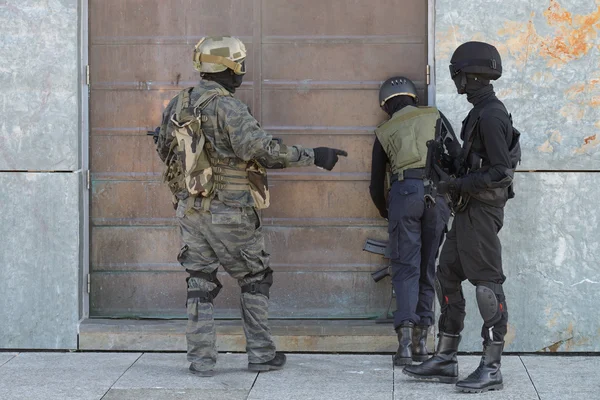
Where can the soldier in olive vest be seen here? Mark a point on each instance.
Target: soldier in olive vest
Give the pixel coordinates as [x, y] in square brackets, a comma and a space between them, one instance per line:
[417, 216]
[216, 154]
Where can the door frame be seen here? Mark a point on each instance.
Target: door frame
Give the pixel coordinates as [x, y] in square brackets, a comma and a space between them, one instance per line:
[84, 157]
[431, 51]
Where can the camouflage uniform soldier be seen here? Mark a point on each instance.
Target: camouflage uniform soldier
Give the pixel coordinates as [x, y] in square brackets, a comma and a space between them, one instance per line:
[216, 154]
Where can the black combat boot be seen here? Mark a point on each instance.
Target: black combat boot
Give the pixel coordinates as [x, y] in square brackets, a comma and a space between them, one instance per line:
[487, 376]
[404, 354]
[419, 343]
[443, 366]
[276, 363]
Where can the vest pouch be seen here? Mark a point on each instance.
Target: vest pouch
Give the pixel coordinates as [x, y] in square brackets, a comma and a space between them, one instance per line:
[195, 163]
[174, 178]
[259, 186]
[406, 149]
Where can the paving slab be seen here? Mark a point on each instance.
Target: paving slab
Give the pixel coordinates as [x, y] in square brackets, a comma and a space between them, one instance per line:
[170, 371]
[6, 357]
[65, 376]
[517, 384]
[564, 377]
[175, 394]
[314, 376]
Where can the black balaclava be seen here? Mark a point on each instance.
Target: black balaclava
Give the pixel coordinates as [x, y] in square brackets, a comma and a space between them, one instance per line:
[397, 103]
[228, 79]
[475, 87]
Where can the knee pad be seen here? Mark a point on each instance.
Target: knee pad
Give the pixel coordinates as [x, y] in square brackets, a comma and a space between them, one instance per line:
[262, 286]
[490, 300]
[447, 296]
[204, 296]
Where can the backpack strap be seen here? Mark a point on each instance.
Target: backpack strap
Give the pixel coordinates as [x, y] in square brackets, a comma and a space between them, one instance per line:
[492, 104]
[183, 100]
[208, 96]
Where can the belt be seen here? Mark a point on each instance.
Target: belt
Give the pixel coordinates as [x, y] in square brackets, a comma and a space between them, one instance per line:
[413, 173]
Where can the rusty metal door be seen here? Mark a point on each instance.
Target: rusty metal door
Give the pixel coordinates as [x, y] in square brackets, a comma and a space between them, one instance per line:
[314, 71]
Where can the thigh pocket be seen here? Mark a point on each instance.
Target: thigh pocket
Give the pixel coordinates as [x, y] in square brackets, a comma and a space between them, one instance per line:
[393, 239]
[197, 258]
[257, 260]
[469, 240]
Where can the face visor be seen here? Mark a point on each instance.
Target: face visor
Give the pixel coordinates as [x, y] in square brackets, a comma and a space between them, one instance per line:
[483, 64]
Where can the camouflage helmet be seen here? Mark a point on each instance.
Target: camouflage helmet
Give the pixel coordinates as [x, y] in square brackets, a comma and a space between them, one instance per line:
[217, 53]
[397, 86]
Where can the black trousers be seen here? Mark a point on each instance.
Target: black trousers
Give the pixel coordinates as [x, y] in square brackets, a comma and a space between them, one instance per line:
[415, 232]
[473, 252]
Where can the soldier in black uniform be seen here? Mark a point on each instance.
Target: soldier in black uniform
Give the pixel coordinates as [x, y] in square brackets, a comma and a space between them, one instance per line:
[472, 250]
[417, 217]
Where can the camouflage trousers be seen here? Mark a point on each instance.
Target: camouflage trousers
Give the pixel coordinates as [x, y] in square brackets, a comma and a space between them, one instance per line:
[232, 238]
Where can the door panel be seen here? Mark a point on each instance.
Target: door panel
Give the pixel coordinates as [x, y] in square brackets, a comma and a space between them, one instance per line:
[314, 70]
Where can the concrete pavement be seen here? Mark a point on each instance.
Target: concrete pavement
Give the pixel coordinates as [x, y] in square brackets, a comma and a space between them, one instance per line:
[149, 376]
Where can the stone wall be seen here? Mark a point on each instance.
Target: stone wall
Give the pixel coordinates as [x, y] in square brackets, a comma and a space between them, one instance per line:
[39, 174]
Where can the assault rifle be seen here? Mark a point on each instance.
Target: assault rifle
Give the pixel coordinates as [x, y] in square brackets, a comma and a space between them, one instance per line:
[383, 249]
[154, 134]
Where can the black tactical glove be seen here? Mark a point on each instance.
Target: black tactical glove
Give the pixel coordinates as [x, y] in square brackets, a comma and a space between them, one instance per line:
[447, 183]
[454, 148]
[326, 157]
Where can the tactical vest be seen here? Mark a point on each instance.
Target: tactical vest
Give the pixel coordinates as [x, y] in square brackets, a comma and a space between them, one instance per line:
[193, 165]
[498, 193]
[404, 137]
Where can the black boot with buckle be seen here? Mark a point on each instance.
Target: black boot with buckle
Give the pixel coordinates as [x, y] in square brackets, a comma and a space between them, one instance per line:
[443, 366]
[487, 376]
[419, 343]
[404, 354]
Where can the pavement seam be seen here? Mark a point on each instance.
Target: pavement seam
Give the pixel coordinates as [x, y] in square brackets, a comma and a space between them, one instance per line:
[251, 387]
[393, 379]
[120, 376]
[530, 378]
[6, 362]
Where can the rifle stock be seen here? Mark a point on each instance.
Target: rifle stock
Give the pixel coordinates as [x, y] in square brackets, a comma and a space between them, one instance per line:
[380, 274]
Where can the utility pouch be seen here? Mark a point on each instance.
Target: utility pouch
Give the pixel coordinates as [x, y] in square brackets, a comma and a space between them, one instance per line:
[408, 152]
[259, 185]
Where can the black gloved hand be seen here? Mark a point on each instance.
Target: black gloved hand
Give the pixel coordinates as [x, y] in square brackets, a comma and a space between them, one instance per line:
[326, 157]
[446, 183]
[454, 148]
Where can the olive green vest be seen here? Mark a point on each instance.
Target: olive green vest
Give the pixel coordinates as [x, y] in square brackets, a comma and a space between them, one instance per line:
[404, 137]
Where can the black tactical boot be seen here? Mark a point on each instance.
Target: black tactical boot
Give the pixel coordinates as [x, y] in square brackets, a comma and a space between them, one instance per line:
[404, 354]
[277, 363]
[487, 376]
[443, 366]
[201, 372]
[419, 343]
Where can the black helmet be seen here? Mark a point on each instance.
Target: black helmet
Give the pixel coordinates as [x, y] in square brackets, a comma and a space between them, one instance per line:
[397, 86]
[476, 58]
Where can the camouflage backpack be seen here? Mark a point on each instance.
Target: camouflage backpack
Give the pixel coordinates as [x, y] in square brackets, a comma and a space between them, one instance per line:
[188, 169]
[192, 167]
